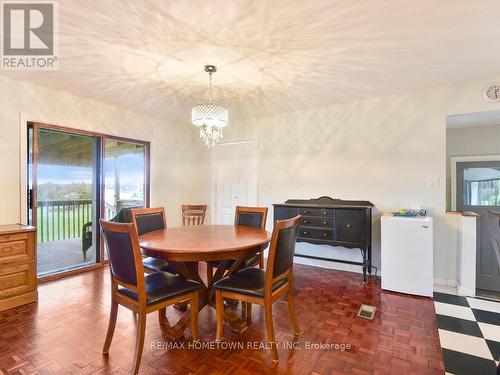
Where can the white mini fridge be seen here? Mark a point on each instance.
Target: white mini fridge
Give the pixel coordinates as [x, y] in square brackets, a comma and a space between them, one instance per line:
[407, 254]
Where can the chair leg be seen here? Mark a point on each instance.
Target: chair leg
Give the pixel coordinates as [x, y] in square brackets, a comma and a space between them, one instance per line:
[293, 314]
[111, 326]
[139, 342]
[162, 314]
[261, 260]
[219, 307]
[248, 310]
[268, 312]
[194, 316]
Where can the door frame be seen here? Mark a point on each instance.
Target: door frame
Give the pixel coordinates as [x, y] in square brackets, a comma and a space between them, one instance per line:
[214, 195]
[25, 124]
[453, 170]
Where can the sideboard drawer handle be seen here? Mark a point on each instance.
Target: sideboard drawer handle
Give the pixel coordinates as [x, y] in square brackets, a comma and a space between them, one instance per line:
[324, 222]
[305, 211]
[348, 225]
[305, 233]
[305, 221]
[324, 234]
[325, 213]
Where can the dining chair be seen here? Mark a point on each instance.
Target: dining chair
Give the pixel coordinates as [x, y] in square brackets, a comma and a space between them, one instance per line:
[254, 285]
[251, 217]
[193, 214]
[148, 220]
[139, 293]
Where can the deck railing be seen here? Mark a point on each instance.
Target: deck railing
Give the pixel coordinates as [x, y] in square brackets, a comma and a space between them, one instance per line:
[62, 219]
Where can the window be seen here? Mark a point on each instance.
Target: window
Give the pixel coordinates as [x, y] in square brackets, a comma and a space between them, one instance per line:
[478, 185]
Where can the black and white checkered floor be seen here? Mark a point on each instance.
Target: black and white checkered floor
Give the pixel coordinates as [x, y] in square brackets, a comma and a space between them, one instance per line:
[469, 330]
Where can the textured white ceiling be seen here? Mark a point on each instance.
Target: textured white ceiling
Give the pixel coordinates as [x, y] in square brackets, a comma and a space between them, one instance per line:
[273, 56]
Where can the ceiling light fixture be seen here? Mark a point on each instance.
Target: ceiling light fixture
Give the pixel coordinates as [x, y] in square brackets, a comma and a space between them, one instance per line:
[210, 117]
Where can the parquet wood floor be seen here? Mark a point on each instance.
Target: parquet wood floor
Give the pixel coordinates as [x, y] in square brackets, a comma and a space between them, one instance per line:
[64, 333]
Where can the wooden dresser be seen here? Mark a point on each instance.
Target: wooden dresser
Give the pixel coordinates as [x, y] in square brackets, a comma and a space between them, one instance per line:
[332, 222]
[17, 266]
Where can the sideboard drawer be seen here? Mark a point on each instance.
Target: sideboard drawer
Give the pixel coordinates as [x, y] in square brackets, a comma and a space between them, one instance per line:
[325, 212]
[14, 251]
[350, 225]
[17, 280]
[315, 221]
[282, 213]
[17, 265]
[315, 233]
[13, 237]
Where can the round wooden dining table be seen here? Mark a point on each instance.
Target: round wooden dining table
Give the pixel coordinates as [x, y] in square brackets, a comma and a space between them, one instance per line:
[185, 247]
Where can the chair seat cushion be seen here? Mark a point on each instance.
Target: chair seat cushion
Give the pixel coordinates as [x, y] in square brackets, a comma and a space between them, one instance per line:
[248, 281]
[156, 265]
[161, 286]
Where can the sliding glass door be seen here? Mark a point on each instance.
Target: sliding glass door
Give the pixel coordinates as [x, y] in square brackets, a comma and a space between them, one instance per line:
[64, 189]
[74, 179]
[124, 177]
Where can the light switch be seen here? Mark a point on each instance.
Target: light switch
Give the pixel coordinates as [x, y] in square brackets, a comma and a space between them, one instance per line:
[433, 183]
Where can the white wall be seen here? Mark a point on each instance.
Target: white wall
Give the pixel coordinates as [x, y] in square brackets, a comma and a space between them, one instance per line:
[381, 149]
[175, 149]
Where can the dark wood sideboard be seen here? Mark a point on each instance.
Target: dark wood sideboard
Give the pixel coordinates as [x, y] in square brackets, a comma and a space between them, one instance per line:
[332, 222]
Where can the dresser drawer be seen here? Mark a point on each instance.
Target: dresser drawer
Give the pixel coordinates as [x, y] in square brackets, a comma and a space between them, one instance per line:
[315, 221]
[16, 280]
[315, 233]
[14, 251]
[282, 213]
[350, 226]
[325, 212]
[13, 237]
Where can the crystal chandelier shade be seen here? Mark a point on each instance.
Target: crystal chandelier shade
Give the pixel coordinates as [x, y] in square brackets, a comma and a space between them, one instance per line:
[210, 114]
[210, 117]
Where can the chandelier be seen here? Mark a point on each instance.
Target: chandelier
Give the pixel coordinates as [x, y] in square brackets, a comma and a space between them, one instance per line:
[210, 117]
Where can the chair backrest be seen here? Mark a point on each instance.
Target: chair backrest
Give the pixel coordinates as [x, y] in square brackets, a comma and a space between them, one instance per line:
[281, 250]
[251, 216]
[149, 219]
[124, 254]
[492, 220]
[193, 214]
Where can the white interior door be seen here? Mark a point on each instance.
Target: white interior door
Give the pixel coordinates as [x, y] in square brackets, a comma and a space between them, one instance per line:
[236, 179]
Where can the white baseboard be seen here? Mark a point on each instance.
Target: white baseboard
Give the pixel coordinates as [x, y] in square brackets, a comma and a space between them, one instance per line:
[462, 291]
[443, 282]
[328, 264]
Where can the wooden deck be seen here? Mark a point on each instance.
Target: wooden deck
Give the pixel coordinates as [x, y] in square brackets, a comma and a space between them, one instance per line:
[56, 256]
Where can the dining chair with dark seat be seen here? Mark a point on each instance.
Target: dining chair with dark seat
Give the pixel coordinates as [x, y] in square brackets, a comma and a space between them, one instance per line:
[193, 214]
[139, 293]
[254, 285]
[250, 217]
[148, 220]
